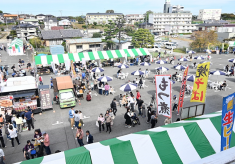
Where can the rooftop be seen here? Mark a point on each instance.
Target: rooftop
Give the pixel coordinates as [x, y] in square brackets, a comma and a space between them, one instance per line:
[104, 14]
[24, 25]
[61, 34]
[10, 15]
[30, 20]
[209, 24]
[48, 19]
[57, 27]
[84, 40]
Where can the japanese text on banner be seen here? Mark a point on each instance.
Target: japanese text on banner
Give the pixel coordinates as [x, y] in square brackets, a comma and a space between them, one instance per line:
[163, 95]
[228, 112]
[182, 90]
[200, 83]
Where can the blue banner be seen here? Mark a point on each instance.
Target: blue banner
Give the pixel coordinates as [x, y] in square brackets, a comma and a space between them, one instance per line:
[228, 112]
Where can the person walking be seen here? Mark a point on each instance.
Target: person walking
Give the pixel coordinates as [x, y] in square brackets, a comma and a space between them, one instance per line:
[79, 136]
[76, 119]
[1, 138]
[149, 110]
[153, 119]
[108, 120]
[29, 150]
[113, 105]
[2, 157]
[13, 134]
[106, 87]
[137, 95]
[140, 103]
[127, 116]
[40, 80]
[28, 117]
[101, 122]
[89, 137]
[46, 141]
[71, 116]
[19, 123]
[140, 83]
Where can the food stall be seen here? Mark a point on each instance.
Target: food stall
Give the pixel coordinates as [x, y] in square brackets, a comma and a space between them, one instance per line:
[23, 91]
[6, 104]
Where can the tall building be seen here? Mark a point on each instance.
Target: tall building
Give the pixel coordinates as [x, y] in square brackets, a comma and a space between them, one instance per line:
[102, 18]
[206, 14]
[167, 5]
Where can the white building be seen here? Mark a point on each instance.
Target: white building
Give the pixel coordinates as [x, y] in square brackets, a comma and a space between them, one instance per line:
[50, 22]
[30, 21]
[102, 18]
[165, 23]
[65, 23]
[206, 14]
[25, 31]
[132, 18]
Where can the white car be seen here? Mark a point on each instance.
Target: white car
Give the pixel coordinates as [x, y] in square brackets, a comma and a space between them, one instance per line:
[170, 45]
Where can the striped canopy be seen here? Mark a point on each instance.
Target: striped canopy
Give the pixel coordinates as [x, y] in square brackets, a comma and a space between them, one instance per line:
[180, 142]
[199, 58]
[137, 73]
[183, 59]
[128, 87]
[217, 73]
[191, 78]
[145, 64]
[97, 69]
[123, 66]
[161, 62]
[180, 67]
[231, 60]
[95, 55]
[105, 79]
[17, 42]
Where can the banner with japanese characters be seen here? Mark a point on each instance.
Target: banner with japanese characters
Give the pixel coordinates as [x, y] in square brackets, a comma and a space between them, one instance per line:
[200, 83]
[182, 90]
[163, 95]
[228, 110]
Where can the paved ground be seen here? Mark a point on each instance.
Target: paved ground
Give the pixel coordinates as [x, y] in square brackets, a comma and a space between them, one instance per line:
[63, 138]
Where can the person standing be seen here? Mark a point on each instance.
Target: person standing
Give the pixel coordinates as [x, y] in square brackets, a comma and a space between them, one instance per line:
[81, 117]
[153, 119]
[149, 110]
[106, 87]
[2, 157]
[132, 102]
[28, 117]
[46, 141]
[101, 122]
[13, 134]
[76, 119]
[89, 137]
[127, 116]
[40, 80]
[140, 103]
[118, 72]
[114, 106]
[174, 101]
[108, 120]
[137, 95]
[19, 123]
[79, 136]
[71, 116]
[1, 138]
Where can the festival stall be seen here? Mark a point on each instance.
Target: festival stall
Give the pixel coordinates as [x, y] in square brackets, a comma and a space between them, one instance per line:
[16, 47]
[22, 92]
[180, 142]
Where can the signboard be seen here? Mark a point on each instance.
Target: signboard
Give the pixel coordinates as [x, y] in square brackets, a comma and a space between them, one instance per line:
[200, 83]
[182, 90]
[6, 101]
[228, 110]
[73, 72]
[46, 102]
[163, 95]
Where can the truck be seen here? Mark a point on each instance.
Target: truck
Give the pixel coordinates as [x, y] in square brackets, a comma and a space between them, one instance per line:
[64, 91]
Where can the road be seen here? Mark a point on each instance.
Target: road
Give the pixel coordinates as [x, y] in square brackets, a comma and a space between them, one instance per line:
[63, 138]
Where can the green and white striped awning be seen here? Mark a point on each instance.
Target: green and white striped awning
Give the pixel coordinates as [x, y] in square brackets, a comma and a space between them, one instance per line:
[180, 142]
[95, 55]
[16, 42]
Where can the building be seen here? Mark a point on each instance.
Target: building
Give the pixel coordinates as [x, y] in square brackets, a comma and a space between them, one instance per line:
[27, 16]
[132, 18]
[41, 17]
[102, 18]
[226, 32]
[30, 21]
[168, 8]
[167, 23]
[148, 26]
[56, 37]
[10, 16]
[49, 22]
[57, 28]
[208, 26]
[64, 23]
[89, 44]
[206, 14]
[63, 17]
[25, 31]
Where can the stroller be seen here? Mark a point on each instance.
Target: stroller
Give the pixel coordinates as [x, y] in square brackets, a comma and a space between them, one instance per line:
[134, 119]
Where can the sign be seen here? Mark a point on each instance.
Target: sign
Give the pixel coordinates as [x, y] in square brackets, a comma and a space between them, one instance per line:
[6, 101]
[228, 111]
[163, 95]
[182, 90]
[73, 72]
[200, 83]
[46, 102]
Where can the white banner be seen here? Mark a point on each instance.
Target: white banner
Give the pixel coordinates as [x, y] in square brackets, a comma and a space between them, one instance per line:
[163, 95]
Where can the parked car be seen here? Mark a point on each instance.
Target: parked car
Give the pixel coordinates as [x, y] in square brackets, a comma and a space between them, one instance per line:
[170, 45]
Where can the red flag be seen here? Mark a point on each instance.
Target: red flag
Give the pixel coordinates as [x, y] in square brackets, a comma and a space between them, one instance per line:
[182, 90]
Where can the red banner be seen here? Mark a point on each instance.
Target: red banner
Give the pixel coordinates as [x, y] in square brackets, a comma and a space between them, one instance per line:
[182, 90]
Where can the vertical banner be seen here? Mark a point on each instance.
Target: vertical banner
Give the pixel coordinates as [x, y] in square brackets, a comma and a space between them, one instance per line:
[182, 90]
[228, 110]
[200, 83]
[72, 70]
[163, 95]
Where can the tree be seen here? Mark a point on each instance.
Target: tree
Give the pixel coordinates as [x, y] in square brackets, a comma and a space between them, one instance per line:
[96, 35]
[94, 23]
[130, 31]
[13, 33]
[109, 34]
[228, 16]
[119, 28]
[80, 20]
[35, 42]
[1, 11]
[142, 38]
[109, 11]
[202, 39]
[146, 18]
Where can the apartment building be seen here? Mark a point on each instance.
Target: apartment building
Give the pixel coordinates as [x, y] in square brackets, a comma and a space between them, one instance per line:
[206, 14]
[167, 23]
[102, 18]
[132, 18]
[25, 31]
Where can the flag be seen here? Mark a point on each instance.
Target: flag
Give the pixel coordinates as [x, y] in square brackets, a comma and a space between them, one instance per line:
[182, 90]
[228, 110]
[163, 95]
[200, 83]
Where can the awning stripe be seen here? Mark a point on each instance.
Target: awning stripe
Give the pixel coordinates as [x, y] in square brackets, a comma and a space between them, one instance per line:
[86, 56]
[139, 52]
[57, 158]
[71, 57]
[183, 145]
[146, 51]
[96, 55]
[60, 58]
[135, 52]
[91, 56]
[77, 155]
[142, 51]
[128, 54]
[100, 53]
[109, 53]
[55, 59]
[66, 57]
[105, 55]
[114, 54]
[38, 60]
[81, 56]
[44, 60]
[76, 57]
[131, 53]
[123, 53]
[49, 59]
[119, 54]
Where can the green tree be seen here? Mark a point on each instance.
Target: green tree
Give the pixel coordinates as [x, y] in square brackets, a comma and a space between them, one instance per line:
[80, 20]
[228, 16]
[119, 27]
[13, 33]
[1, 11]
[142, 38]
[94, 23]
[64, 45]
[146, 18]
[35, 42]
[109, 34]
[109, 11]
[96, 35]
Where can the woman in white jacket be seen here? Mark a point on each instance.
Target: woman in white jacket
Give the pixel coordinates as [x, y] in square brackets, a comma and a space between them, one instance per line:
[13, 134]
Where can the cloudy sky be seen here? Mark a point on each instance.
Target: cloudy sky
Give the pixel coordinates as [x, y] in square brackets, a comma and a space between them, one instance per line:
[81, 7]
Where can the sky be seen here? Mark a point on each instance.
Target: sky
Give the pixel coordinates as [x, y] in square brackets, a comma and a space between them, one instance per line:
[81, 7]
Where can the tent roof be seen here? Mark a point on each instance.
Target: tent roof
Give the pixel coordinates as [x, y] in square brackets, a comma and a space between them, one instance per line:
[17, 41]
[180, 142]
